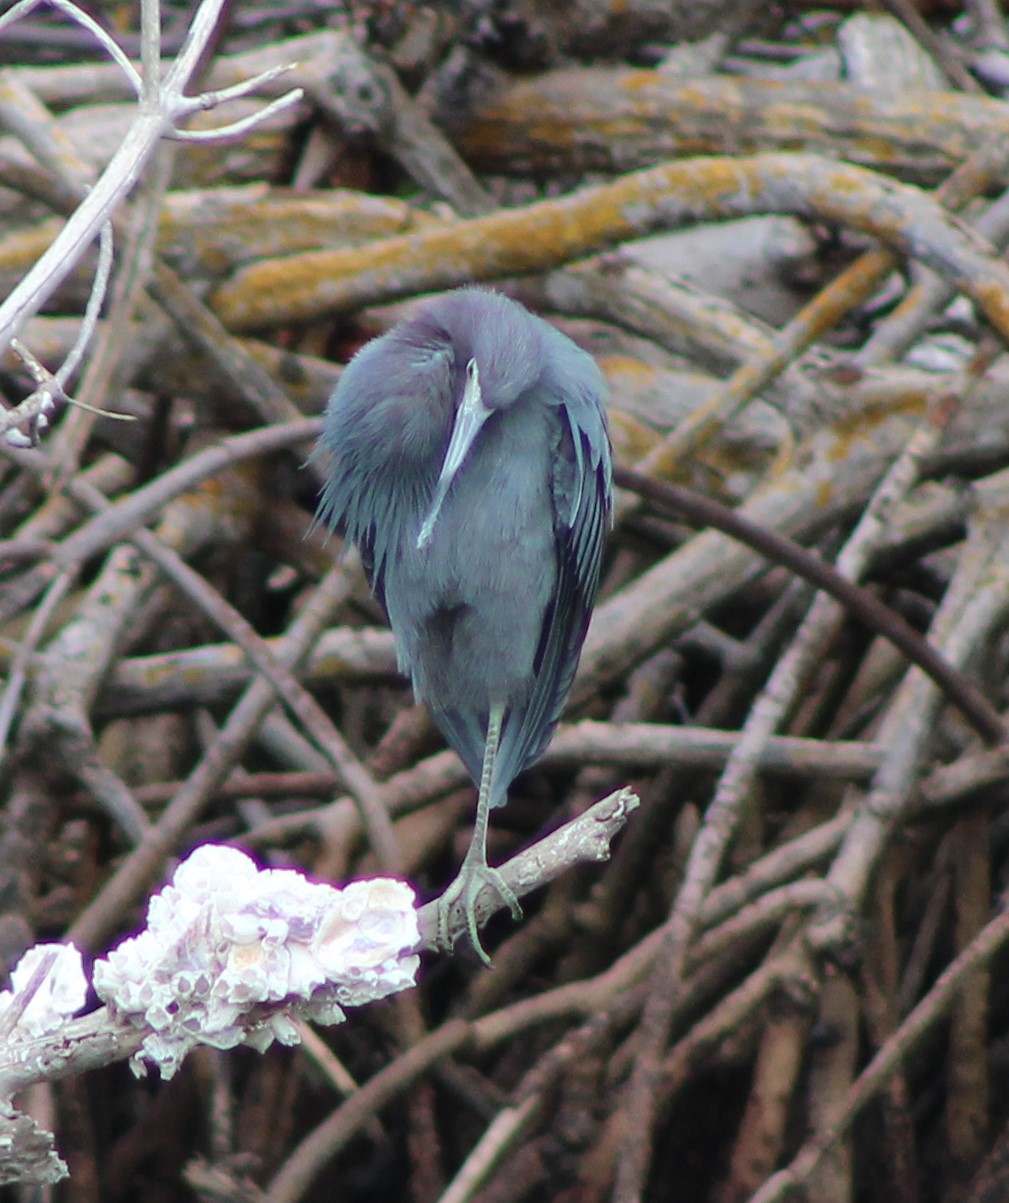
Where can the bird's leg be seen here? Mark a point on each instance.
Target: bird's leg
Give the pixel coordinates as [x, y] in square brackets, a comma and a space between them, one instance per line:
[475, 873]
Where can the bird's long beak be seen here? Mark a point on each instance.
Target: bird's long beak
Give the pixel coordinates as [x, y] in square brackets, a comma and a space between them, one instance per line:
[470, 416]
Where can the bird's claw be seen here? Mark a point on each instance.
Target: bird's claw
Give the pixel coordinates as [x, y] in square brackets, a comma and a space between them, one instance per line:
[467, 888]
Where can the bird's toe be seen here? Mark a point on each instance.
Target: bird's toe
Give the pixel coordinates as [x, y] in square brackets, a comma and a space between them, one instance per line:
[465, 890]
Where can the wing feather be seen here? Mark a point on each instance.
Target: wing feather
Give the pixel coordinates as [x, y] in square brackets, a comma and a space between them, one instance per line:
[581, 491]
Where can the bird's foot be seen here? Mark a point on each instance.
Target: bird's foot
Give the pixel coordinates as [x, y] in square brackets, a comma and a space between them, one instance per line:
[473, 876]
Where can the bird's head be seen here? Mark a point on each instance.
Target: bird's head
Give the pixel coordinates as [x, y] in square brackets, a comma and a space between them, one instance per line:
[497, 351]
[504, 340]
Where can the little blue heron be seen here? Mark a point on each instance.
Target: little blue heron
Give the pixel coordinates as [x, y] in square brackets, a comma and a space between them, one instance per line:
[468, 459]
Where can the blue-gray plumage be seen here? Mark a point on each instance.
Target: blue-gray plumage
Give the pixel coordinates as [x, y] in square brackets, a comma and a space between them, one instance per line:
[469, 461]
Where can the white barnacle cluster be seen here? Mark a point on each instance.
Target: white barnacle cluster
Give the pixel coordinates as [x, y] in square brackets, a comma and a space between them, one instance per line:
[48, 986]
[234, 955]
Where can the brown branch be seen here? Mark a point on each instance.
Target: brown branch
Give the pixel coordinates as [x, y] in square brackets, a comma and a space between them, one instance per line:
[877, 1073]
[578, 119]
[548, 233]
